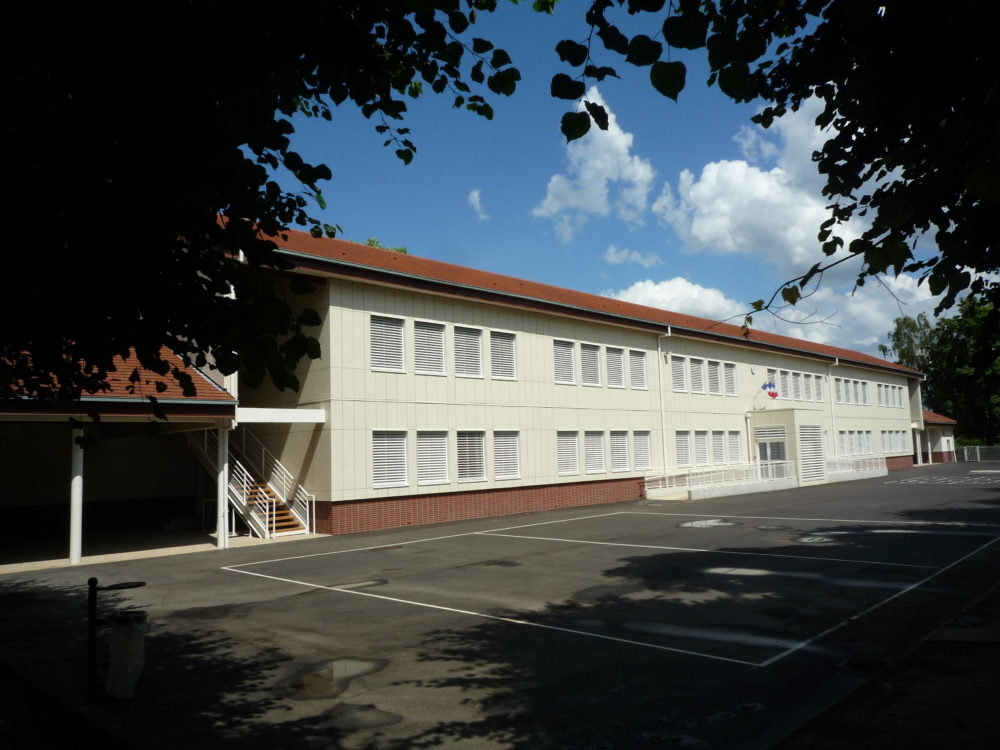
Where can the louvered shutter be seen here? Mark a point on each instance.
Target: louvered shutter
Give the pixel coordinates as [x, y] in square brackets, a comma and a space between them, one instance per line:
[718, 447]
[619, 451]
[594, 452]
[428, 348]
[701, 447]
[590, 364]
[682, 440]
[471, 459]
[677, 372]
[641, 451]
[387, 343]
[730, 372]
[735, 447]
[468, 352]
[503, 360]
[616, 368]
[714, 378]
[506, 455]
[637, 369]
[562, 354]
[432, 457]
[812, 464]
[567, 461]
[697, 369]
[388, 459]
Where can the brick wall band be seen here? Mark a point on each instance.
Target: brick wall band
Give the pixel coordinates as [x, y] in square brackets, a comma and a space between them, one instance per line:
[898, 462]
[352, 516]
[943, 457]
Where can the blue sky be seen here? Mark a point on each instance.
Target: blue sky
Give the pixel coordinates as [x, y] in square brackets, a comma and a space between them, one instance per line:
[683, 205]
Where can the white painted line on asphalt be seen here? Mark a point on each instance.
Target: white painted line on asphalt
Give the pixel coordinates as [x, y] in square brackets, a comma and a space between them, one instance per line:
[712, 551]
[388, 545]
[862, 613]
[511, 620]
[823, 520]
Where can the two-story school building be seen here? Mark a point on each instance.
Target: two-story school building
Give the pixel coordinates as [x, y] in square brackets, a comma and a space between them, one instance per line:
[455, 393]
[446, 393]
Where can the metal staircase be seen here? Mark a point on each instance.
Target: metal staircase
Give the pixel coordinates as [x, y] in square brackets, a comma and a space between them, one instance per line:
[261, 490]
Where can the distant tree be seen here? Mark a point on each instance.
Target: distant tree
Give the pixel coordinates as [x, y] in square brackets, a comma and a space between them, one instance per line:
[372, 242]
[963, 370]
[909, 341]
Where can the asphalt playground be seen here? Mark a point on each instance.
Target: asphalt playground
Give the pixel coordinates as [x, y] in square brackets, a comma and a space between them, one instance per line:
[723, 623]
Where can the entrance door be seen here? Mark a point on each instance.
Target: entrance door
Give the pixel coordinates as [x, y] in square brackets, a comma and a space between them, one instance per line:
[771, 452]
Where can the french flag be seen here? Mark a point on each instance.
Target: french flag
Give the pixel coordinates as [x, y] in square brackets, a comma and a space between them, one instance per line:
[771, 388]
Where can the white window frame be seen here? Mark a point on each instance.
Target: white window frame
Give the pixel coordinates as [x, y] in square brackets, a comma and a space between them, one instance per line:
[734, 447]
[618, 444]
[678, 373]
[387, 333]
[696, 374]
[506, 454]
[590, 365]
[593, 452]
[637, 369]
[563, 354]
[718, 446]
[432, 457]
[702, 456]
[714, 368]
[615, 362]
[389, 454]
[682, 448]
[729, 378]
[428, 347]
[465, 449]
[567, 453]
[642, 449]
[503, 354]
[468, 352]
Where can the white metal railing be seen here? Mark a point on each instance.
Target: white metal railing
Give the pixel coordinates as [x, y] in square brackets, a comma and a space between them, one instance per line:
[981, 453]
[281, 481]
[851, 464]
[761, 471]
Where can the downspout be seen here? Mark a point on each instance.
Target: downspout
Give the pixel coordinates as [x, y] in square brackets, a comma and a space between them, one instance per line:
[833, 406]
[663, 413]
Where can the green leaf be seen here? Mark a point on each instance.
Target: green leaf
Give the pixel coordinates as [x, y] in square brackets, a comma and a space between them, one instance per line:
[564, 87]
[791, 294]
[405, 154]
[504, 82]
[643, 51]
[477, 72]
[457, 21]
[575, 125]
[686, 30]
[668, 78]
[572, 52]
[598, 114]
[736, 82]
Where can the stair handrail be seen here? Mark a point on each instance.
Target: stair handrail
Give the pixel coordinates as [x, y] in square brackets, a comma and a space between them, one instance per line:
[270, 469]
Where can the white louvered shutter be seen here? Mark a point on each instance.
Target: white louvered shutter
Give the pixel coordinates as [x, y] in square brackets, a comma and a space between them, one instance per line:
[388, 459]
[567, 460]
[730, 376]
[432, 457]
[696, 367]
[506, 455]
[468, 352]
[714, 378]
[594, 452]
[562, 355]
[471, 458]
[619, 451]
[503, 356]
[637, 369]
[735, 447]
[701, 447]
[428, 348]
[641, 450]
[677, 373]
[682, 440]
[590, 364]
[616, 367]
[387, 343]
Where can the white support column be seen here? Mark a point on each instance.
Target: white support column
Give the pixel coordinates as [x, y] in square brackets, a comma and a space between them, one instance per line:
[930, 448]
[222, 490]
[76, 500]
[920, 446]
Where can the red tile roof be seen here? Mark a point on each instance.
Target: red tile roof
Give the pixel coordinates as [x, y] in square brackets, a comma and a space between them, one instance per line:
[124, 389]
[349, 258]
[932, 418]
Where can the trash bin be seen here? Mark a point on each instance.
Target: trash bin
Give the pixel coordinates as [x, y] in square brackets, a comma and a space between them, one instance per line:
[127, 643]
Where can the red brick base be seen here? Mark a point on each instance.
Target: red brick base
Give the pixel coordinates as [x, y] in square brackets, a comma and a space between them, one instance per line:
[898, 462]
[350, 516]
[943, 457]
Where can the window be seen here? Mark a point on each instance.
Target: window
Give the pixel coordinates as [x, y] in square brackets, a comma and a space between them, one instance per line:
[594, 452]
[735, 447]
[797, 386]
[506, 455]
[819, 388]
[387, 343]
[784, 391]
[619, 451]
[562, 352]
[641, 452]
[881, 394]
[718, 447]
[503, 359]
[729, 371]
[637, 369]
[677, 372]
[864, 392]
[468, 352]
[428, 348]
[432, 457]
[471, 458]
[567, 461]
[714, 378]
[696, 367]
[838, 391]
[701, 447]
[683, 443]
[807, 387]
[856, 387]
[590, 364]
[388, 459]
[616, 367]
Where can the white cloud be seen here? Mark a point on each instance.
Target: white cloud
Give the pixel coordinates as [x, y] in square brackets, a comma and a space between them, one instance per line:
[614, 256]
[682, 296]
[602, 175]
[475, 200]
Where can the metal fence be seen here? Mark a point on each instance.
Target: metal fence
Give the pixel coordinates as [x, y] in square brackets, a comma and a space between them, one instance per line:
[851, 464]
[979, 453]
[762, 471]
